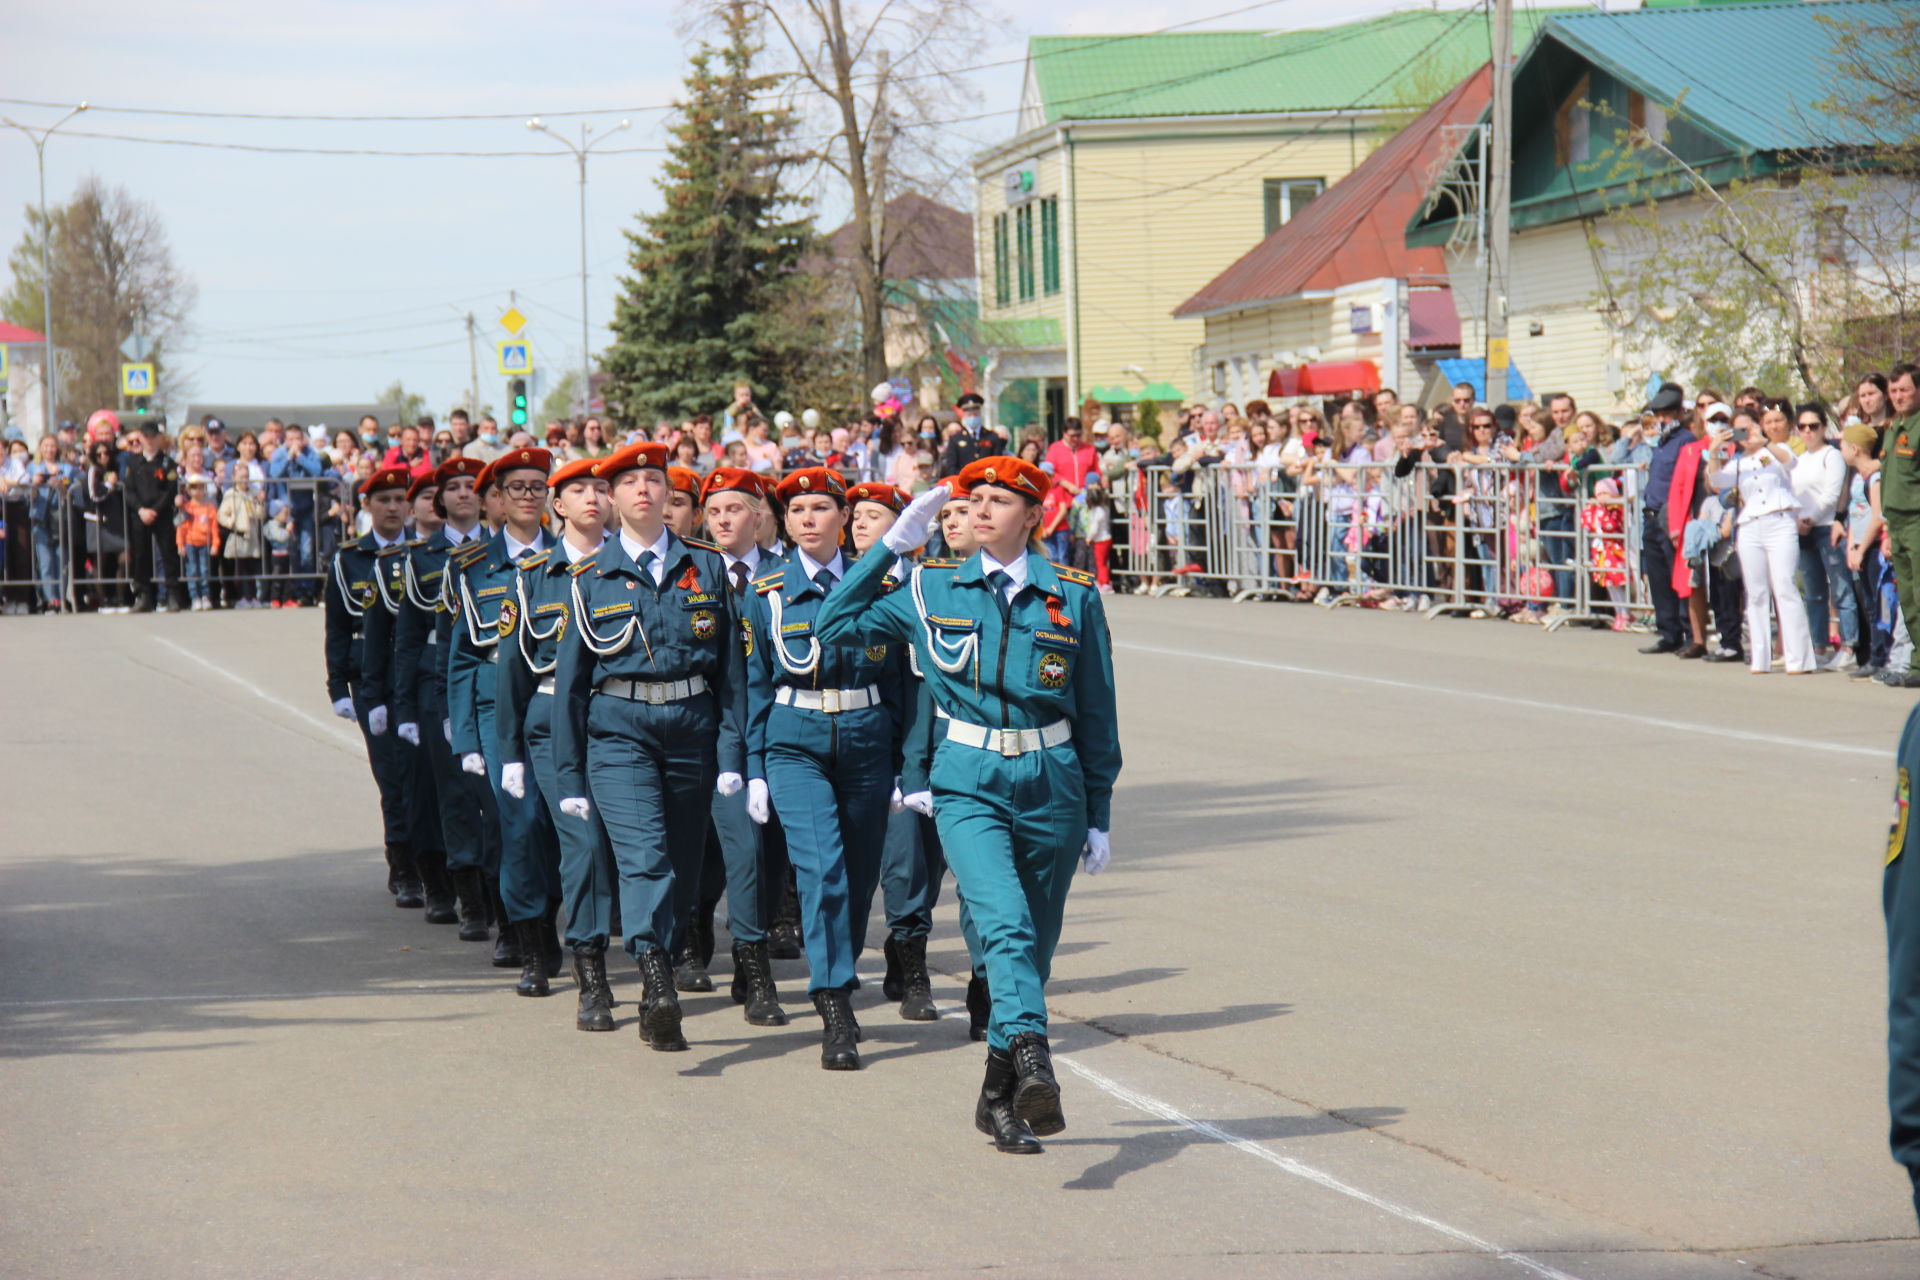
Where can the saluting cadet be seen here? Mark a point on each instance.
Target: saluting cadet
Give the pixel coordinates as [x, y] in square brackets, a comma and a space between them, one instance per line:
[469, 826]
[379, 675]
[648, 715]
[532, 624]
[822, 746]
[352, 587]
[734, 508]
[484, 573]
[683, 502]
[1900, 900]
[1015, 651]
[910, 862]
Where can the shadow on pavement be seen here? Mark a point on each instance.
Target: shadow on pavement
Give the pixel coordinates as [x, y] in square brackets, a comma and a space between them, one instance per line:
[1152, 1024]
[1166, 1140]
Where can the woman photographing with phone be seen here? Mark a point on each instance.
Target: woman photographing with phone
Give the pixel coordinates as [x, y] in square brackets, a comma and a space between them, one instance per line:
[1751, 469]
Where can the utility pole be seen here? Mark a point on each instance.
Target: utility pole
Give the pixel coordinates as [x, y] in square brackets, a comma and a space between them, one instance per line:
[1499, 163]
[587, 144]
[50, 374]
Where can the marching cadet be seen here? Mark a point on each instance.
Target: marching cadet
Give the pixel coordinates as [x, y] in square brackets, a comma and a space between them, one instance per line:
[532, 624]
[379, 673]
[352, 588]
[484, 573]
[683, 503]
[734, 509]
[1015, 651]
[469, 827]
[910, 862]
[647, 717]
[1900, 901]
[822, 747]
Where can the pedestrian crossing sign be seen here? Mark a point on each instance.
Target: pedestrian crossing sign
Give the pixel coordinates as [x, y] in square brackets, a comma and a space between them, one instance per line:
[136, 379]
[516, 357]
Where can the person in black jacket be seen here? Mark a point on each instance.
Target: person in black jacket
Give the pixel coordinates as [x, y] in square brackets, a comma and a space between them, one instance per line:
[975, 439]
[151, 481]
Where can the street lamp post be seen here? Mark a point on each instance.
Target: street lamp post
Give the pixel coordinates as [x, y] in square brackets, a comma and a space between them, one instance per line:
[580, 155]
[49, 376]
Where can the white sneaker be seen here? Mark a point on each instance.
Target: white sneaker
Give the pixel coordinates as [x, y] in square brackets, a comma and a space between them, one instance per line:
[1842, 659]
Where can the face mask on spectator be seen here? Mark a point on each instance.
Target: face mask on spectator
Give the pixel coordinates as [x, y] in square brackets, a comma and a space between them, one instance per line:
[490, 436]
[971, 422]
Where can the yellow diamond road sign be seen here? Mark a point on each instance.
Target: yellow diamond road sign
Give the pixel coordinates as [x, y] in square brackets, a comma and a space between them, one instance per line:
[512, 321]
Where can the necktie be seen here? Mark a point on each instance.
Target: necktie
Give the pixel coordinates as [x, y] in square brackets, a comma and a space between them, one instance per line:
[646, 565]
[999, 580]
[824, 580]
[739, 572]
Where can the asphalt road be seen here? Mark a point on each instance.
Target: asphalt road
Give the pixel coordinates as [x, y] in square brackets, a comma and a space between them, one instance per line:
[1430, 949]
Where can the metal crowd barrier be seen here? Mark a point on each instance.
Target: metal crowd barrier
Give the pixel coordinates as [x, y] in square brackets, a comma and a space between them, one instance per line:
[1490, 540]
[85, 545]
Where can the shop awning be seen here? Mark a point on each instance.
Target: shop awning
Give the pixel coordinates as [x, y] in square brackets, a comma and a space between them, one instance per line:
[1431, 319]
[1161, 391]
[1112, 395]
[1324, 378]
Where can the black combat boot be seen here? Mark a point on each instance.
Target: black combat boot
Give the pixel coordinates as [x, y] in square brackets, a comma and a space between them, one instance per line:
[994, 1115]
[837, 1031]
[659, 1007]
[979, 1007]
[403, 882]
[470, 893]
[506, 949]
[688, 973]
[783, 940]
[753, 985]
[550, 939]
[533, 955]
[700, 934]
[1036, 1094]
[437, 888]
[596, 997]
[916, 988]
[894, 985]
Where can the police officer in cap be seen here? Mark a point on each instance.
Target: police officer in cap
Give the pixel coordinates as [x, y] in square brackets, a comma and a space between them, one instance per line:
[974, 441]
[151, 482]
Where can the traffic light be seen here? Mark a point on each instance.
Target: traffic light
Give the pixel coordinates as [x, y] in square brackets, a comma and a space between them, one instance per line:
[517, 402]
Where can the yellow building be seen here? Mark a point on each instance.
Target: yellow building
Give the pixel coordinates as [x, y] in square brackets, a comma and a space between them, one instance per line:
[1145, 165]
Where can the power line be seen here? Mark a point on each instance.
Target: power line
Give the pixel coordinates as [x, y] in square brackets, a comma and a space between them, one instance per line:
[357, 151]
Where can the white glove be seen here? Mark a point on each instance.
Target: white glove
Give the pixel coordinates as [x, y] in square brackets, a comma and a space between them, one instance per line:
[757, 806]
[917, 521]
[1098, 853]
[409, 732]
[343, 707]
[898, 803]
[513, 780]
[578, 806]
[377, 721]
[475, 763]
[728, 784]
[921, 802]
[446, 730]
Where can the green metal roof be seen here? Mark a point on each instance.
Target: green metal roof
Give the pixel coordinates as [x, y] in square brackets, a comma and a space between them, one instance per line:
[1773, 103]
[1202, 73]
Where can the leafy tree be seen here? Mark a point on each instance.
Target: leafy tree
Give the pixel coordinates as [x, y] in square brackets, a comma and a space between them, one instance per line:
[113, 274]
[558, 404]
[408, 405]
[717, 272]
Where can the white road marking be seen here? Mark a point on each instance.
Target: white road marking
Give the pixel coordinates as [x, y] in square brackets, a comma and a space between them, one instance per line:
[1532, 704]
[1155, 1107]
[332, 730]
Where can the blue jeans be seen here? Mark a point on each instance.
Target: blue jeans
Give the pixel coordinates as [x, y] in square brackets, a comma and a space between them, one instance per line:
[302, 544]
[1824, 579]
[46, 559]
[195, 564]
[1057, 545]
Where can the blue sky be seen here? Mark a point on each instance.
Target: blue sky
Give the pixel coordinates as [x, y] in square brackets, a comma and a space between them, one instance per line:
[323, 278]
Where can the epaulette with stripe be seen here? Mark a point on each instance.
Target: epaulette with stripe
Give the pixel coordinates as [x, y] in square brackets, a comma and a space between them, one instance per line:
[769, 583]
[703, 545]
[416, 542]
[382, 553]
[941, 564]
[535, 560]
[467, 553]
[1072, 575]
[580, 566]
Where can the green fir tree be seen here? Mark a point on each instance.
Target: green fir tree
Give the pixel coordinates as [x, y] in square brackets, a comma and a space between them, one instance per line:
[716, 292]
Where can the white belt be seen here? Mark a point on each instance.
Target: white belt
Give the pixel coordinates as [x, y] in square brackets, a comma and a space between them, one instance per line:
[433, 637]
[831, 701]
[545, 686]
[654, 694]
[1008, 742]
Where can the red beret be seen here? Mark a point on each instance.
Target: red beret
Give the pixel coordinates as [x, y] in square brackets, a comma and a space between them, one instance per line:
[873, 491]
[684, 480]
[810, 480]
[458, 467]
[387, 478]
[732, 480]
[1023, 478]
[514, 460]
[431, 480]
[578, 469]
[633, 458]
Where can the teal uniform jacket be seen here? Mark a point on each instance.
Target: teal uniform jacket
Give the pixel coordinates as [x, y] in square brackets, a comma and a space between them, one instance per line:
[1900, 899]
[360, 572]
[380, 677]
[481, 585]
[421, 635]
[626, 627]
[541, 599]
[351, 588]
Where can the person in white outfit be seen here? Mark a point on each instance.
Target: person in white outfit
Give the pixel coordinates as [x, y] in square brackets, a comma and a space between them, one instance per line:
[1743, 462]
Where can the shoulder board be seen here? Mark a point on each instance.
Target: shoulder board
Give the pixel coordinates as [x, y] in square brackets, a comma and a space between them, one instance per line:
[394, 550]
[1072, 575]
[580, 566]
[536, 560]
[417, 542]
[941, 564]
[468, 552]
[703, 545]
[769, 583]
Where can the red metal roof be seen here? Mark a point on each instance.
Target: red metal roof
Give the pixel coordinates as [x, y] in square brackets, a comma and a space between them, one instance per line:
[12, 335]
[1432, 320]
[1357, 230]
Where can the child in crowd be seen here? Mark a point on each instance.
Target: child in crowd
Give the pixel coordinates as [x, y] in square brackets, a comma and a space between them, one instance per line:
[242, 517]
[1056, 510]
[1095, 514]
[198, 538]
[280, 555]
[1605, 522]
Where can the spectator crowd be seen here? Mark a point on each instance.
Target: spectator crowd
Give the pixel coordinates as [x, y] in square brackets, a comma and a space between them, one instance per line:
[1743, 528]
